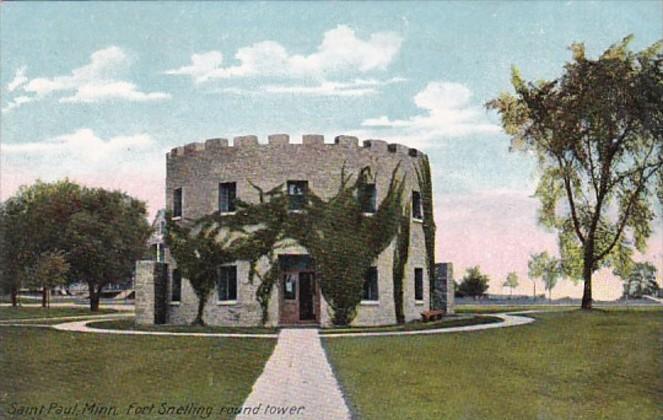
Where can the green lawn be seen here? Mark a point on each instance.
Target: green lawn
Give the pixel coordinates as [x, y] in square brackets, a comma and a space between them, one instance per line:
[128, 324]
[493, 309]
[574, 364]
[23, 312]
[417, 325]
[42, 367]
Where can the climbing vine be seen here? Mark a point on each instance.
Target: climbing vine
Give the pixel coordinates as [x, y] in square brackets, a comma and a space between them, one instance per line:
[426, 187]
[401, 251]
[341, 240]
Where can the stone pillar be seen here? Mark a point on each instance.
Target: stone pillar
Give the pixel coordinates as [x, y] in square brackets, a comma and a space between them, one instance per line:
[443, 288]
[151, 292]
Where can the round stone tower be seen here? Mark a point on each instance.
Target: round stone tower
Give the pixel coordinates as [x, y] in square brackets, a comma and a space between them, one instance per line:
[203, 178]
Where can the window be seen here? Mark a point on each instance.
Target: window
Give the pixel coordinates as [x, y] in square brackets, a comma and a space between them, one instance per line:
[289, 287]
[161, 253]
[297, 194]
[176, 287]
[418, 284]
[177, 202]
[162, 227]
[371, 285]
[226, 285]
[368, 198]
[416, 205]
[154, 252]
[227, 191]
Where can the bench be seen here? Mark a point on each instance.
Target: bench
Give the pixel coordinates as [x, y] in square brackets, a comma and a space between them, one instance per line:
[432, 315]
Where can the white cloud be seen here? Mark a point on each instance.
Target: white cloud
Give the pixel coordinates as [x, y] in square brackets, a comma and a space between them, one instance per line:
[16, 102]
[112, 90]
[82, 145]
[94, 82]
[341, 51]
[133, 163]
[356, 87]
[449, 112]
[19, 79]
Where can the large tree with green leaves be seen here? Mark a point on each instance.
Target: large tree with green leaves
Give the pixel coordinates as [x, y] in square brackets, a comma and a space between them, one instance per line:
[597, 132]
[101, 233]
[104, 238]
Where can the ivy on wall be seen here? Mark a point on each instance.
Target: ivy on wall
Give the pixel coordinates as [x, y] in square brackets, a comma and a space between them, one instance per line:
[426, 187]
[401, 251]
[341, 240]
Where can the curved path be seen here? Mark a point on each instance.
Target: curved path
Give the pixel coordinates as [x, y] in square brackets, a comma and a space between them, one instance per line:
[508, 320]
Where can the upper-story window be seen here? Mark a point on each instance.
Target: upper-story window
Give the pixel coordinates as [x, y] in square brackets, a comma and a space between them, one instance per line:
[417, 212]
[368, 198]
[371, 285]
[297, 194]
[161, 253]
[177, 202]
[419, 284]
[162, 227]
[176, 289]
[226, 285]
[227, 194]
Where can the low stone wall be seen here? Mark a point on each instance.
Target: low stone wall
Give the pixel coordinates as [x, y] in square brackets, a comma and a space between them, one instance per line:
[443, 288]
[151, 292]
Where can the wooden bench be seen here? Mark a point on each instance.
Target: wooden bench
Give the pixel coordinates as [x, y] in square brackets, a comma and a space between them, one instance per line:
[432, 315]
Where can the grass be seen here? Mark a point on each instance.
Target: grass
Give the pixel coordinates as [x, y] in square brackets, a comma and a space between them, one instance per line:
[40, 366]
[494, 309]
[128, 324]
[573, 364]
[24, 312]
[416, 326]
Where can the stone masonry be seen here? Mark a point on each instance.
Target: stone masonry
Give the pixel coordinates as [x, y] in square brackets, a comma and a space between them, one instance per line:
[198, 168]
[443, 288]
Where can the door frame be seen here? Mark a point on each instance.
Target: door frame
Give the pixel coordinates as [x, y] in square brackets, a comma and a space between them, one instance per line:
[290, 310]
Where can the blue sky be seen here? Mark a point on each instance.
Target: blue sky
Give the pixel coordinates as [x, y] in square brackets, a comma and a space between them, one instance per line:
[99, 91]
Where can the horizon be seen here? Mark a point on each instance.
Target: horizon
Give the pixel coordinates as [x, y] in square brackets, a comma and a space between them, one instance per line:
[102, 91]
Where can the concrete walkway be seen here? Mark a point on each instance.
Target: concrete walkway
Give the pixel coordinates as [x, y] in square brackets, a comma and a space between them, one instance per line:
[297, 383]
[508, 320]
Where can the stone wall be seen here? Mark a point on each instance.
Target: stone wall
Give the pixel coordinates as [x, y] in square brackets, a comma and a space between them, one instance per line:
[151, 292]
[443, 289]
[198, 168]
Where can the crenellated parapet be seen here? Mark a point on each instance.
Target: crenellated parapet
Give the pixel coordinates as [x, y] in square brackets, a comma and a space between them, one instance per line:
[281, 140]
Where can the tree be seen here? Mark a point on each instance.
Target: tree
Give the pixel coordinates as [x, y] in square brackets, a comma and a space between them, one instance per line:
[199, 253]
[597, 132]
[640, 281]
[546, 267]
[474, 283]
[511, 282]
[49, 270]
[102, 233]
[104, 238]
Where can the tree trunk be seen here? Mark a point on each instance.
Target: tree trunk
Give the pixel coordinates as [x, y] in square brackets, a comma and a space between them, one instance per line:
[94, 299]
[199, 316]
[14, 294]
[587, 277]
[43, 296]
